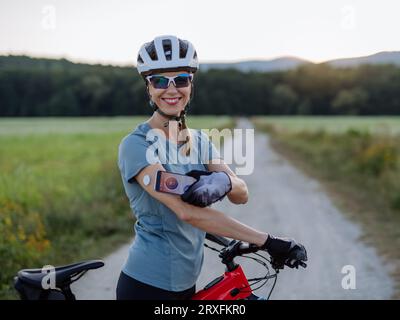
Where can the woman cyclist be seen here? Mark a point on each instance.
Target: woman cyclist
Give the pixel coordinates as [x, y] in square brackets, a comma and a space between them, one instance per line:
[166, 256]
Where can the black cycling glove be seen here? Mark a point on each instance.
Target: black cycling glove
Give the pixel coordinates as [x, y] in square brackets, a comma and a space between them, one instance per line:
[210, 187]
[285, 251]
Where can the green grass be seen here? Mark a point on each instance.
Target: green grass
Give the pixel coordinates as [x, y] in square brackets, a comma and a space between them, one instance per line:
[332, 124]
[61, 194]
[93, 125]
[358, 161]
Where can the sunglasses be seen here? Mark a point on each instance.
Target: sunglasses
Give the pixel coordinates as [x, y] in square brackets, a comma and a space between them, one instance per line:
[162, 82]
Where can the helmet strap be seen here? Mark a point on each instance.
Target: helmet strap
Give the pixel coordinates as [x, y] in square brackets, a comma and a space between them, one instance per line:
[182, 116]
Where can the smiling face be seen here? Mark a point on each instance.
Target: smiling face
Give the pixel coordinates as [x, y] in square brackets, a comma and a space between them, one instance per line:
[171, 100]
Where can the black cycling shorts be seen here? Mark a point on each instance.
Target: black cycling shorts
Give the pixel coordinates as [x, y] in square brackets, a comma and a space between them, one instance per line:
[129, 288]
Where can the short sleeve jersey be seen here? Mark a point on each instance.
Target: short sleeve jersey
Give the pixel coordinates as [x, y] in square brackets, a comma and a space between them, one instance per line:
[167, 253]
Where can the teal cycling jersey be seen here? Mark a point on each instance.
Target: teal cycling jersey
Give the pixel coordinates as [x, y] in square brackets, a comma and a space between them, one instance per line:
[166, 253]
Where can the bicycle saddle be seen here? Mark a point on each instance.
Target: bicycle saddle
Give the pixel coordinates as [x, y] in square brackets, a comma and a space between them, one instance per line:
[63, 274]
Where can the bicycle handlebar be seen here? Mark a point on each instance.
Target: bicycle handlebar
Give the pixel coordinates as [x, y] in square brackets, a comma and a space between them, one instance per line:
[238, 246]
[218, 239]
[234, 248]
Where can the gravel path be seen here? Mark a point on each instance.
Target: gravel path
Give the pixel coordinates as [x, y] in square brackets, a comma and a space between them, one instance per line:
[284, 202]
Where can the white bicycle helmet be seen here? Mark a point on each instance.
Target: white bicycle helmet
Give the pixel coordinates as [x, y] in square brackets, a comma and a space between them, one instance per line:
[167, 53]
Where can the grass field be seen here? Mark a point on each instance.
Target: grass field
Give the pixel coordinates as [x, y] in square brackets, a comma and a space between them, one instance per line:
[100, 125]
[61, 195]
[358, 161]
[333, 124]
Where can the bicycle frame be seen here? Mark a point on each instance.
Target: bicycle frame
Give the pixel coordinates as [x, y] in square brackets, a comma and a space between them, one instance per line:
[232, 285]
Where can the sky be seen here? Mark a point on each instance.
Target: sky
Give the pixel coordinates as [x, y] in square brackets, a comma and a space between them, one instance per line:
[111, 32]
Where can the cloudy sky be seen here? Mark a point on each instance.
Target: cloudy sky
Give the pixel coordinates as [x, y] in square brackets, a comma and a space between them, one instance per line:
[105, 31]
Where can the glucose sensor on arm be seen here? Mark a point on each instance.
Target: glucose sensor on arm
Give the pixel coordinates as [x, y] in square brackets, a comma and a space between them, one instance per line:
[146, 180]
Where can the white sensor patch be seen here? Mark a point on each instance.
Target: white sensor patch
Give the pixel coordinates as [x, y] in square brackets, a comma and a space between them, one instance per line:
[146, 180]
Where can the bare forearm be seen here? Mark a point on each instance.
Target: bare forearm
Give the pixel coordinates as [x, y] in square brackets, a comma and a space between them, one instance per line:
[216, 222]
[239, 193]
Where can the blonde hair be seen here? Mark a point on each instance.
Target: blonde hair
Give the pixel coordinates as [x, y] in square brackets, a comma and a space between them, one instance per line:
[187, 147]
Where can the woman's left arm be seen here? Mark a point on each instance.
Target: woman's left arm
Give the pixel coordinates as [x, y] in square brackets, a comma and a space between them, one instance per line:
[239, 193]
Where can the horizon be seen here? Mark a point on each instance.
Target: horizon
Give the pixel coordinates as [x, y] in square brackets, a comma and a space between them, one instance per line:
[201, 62]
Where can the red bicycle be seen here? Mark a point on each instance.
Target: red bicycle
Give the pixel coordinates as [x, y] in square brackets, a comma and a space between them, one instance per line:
[232, 285]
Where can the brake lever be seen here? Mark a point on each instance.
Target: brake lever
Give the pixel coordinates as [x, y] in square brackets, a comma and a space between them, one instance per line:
[277, 264]
[296, 264]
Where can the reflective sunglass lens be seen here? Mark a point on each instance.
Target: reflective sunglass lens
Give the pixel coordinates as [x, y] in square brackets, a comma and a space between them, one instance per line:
[159, 82]
[182, 81]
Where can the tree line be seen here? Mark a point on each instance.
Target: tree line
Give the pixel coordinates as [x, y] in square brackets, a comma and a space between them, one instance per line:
[48, 87]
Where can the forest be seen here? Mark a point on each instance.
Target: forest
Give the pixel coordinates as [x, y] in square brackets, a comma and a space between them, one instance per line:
[32, 87]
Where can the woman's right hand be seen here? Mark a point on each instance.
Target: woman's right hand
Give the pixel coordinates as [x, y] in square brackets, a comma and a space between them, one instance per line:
[285, 251]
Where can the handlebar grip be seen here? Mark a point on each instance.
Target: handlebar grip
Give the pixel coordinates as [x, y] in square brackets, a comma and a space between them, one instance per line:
[218, 239]
[248, 248]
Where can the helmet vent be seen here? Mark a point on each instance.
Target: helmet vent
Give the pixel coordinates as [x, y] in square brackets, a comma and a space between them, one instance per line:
[167, 49]
[183, 48]
[139, 59]
[151, 50]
